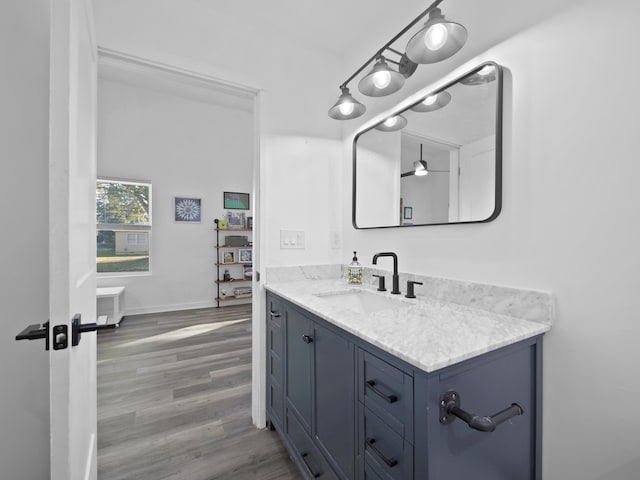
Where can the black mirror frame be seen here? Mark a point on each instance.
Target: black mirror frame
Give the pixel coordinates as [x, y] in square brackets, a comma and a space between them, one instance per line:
[498, 172]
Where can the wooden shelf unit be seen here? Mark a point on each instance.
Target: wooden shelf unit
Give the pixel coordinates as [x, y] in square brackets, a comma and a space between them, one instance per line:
[221, 235]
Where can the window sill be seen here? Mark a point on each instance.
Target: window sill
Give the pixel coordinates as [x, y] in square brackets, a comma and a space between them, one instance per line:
[122, 274]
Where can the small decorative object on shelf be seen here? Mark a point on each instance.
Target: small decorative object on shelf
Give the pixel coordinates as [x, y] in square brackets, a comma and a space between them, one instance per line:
[234, 261]
[236, 220]
[248, 272]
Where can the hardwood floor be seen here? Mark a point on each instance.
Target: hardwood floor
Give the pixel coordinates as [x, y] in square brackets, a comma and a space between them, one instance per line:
[174, 400]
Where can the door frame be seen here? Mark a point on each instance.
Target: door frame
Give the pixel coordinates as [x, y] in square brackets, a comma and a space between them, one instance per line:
[114, 59]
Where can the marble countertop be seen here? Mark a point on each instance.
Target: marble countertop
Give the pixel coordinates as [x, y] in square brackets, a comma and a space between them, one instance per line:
[428, 334]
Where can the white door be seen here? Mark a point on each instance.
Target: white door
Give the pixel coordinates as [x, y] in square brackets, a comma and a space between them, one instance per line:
[72, 240]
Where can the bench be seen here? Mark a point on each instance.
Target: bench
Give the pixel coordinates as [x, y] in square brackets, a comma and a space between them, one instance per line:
[115, 294]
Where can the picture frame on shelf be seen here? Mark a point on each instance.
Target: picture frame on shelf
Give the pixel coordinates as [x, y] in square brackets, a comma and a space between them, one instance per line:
[235, 220]
[408, 213]
[245, 255]
[247, 271]
[228, 257]
[250, 223]
[187, 209]
[236, 201]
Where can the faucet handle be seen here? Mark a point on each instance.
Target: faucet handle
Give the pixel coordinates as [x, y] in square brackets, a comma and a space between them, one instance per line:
[381, 287]
[410, 284]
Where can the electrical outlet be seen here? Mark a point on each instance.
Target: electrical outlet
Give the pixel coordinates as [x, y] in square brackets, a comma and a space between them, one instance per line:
[335, 239]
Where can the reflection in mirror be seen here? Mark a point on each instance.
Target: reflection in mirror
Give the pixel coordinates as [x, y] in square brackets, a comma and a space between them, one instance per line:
[437, 163]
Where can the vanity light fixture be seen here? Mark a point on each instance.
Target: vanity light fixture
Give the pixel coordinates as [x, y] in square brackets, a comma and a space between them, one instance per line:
[437, 40]
[346, 107]
[381, 80]
[433, 102]
[392, 124]
[486, 74]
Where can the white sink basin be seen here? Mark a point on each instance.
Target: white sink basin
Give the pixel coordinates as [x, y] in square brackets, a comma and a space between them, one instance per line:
[363, 301]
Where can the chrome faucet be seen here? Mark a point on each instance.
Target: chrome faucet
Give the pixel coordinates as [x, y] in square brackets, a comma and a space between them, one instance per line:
[396, 278]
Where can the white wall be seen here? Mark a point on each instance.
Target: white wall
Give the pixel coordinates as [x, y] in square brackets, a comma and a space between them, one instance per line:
[378, 179]
[300, 153]
[186, 147]
[570, 224]
[24, 254]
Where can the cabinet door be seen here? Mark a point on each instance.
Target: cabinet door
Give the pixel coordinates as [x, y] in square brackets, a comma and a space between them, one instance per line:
[335, 399]
[275, 358]
[299, 335]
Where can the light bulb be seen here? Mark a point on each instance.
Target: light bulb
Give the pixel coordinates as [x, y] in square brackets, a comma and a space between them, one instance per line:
[382, 79]
[486, 70]
[436, 36]
[430, 100]
[420, 170]
[391, 121]
[346, 108]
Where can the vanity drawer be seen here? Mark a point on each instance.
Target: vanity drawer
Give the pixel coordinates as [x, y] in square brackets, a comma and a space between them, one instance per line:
[313, 463]
[386, 454]
[387, 391]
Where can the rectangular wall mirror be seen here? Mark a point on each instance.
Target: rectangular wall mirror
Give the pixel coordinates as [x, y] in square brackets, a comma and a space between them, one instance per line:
[437, 162]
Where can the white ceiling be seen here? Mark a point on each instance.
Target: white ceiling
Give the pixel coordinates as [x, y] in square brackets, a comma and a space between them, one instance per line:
[340, 25]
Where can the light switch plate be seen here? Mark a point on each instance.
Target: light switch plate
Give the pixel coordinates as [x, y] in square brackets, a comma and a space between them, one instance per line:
[292, 239]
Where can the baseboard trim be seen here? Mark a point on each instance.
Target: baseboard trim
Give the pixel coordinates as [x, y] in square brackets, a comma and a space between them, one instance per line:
[167, 308]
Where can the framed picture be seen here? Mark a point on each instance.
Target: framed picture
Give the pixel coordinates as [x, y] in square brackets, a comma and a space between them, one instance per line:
[245, 255]
[235, 220]
[250, 223]
[236, 201]
[247, 271]
[408, 213]
[187, 209]
[228, 257]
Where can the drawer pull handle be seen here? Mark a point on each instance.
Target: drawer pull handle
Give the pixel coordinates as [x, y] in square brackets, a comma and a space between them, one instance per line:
[306, 464]
[274, 314]
[307, 338]
[391, 462]
[371, 385]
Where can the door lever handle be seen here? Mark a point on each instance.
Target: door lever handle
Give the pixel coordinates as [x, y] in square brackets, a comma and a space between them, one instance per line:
[77, 328]
[34, 332]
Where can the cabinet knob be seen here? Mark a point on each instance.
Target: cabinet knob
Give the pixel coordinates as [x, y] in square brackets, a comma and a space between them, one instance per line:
[307, 338]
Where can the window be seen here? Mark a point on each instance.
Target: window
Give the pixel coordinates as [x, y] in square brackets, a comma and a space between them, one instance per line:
[123, 226]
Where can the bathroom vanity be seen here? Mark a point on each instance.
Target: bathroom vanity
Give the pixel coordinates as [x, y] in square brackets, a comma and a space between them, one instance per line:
[362, 385]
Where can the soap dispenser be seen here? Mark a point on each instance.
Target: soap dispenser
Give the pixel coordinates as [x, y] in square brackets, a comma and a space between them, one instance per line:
[354, 271]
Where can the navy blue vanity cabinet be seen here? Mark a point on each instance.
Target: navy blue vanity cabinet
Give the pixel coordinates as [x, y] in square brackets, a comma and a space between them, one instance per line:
[484, 385]
[348, 410]
[275, 361]
[385, 417]
[334, 399]
[299, 357]
[319, 395]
